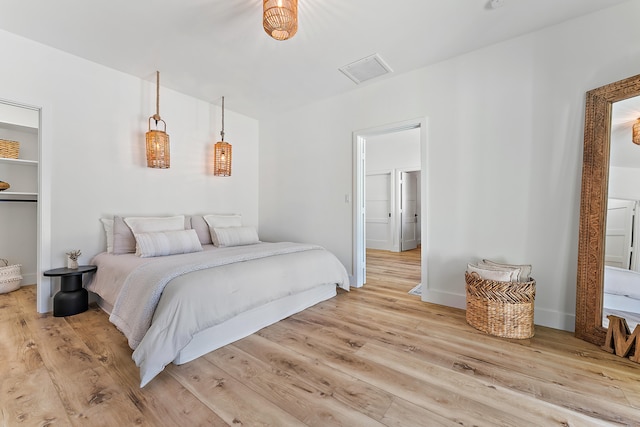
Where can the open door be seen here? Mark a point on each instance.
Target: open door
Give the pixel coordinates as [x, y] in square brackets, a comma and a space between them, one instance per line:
[409, 210]
[618, 248]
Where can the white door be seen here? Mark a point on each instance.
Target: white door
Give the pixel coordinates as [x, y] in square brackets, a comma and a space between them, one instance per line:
[408, 210]
[618, 242]
[378, 211]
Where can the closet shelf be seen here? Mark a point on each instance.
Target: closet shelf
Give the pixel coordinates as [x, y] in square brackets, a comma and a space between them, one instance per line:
[18, 161]
[16, 196]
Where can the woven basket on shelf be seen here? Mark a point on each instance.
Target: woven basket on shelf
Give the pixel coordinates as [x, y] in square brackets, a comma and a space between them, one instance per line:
[9, 276]
[503, 309]
[9, 149]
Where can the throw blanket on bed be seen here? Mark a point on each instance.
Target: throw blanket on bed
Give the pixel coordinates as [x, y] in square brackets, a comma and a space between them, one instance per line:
[135, 306]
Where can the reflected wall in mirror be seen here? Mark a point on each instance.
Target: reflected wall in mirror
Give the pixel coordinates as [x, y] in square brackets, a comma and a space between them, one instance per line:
[594, 203]
[621, 292]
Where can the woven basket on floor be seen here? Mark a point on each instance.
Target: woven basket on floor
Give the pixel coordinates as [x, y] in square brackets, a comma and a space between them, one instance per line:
[503, 309]
[9, 149]
[10, 277]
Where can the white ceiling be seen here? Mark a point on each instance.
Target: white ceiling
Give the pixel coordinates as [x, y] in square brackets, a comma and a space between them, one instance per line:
[211, 48]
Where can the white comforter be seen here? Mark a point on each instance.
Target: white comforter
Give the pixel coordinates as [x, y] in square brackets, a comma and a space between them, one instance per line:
[163, 302]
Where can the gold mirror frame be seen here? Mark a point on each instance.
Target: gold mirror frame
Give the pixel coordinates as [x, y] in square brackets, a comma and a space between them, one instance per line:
[593, 205]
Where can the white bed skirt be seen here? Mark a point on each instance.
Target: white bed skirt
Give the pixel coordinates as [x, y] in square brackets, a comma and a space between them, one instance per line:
[252, 321]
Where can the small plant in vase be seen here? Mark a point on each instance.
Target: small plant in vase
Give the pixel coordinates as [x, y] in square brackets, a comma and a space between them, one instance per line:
[72, 259]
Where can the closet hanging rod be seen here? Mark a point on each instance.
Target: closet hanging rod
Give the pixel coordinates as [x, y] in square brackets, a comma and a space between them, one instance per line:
[14, 200]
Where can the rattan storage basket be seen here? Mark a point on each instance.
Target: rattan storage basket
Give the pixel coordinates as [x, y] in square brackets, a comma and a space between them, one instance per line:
[503, 309]
[9, 149]
[9, 276]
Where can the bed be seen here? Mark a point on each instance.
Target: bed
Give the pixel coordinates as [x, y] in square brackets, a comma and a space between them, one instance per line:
[621, 295]
[177, 306]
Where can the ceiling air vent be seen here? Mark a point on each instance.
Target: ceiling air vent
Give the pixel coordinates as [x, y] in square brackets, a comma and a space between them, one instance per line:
[366, 69]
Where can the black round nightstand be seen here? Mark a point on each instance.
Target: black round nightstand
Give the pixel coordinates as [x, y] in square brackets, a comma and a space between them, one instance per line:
[72, 298]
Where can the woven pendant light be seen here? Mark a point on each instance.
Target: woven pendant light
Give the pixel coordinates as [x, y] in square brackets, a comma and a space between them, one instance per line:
[158, 155]
[222, 153]
[280, 18]
[635, 132]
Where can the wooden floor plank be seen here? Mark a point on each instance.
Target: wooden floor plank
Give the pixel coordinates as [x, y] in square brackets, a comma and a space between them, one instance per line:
[306, 400]
[31, 399]
[233, 401]
[18, 352]
[373, 356]
[341, 386]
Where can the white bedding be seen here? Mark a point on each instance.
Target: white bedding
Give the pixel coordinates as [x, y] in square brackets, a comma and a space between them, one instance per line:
[161, 303]
[619, 281]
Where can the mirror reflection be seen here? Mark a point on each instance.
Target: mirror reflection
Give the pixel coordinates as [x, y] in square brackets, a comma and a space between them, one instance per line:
[621, 295]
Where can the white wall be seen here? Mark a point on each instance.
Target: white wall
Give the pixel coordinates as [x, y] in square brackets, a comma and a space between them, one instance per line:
[396, 150]
[623, 183]
[95, 119]
[504, 155]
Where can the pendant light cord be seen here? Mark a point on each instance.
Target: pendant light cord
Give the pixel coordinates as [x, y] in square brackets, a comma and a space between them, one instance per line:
[156, 116]
[222, 131]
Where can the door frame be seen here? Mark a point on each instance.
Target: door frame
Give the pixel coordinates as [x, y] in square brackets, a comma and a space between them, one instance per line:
[359, 174]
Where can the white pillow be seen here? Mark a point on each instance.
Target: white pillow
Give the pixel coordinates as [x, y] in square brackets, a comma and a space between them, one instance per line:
[525, 269]
[167, 243]
[494, 273]
[223, 220]
[234, 236]
[202, 229]
[142, 224]
[108, 231]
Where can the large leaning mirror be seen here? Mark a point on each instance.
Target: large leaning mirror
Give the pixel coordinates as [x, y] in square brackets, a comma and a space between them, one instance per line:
[606, 255]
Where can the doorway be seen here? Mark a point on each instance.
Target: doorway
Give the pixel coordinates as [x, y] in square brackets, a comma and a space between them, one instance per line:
[412, 224]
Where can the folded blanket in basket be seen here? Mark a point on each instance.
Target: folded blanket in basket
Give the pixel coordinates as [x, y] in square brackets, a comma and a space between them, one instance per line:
[491, 270]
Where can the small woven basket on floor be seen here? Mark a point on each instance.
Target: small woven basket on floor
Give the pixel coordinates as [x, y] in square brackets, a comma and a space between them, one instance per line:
[10, 277]
[503, 309]
[9, 149]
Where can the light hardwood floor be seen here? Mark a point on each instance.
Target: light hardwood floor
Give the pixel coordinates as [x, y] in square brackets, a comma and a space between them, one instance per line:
[374, 356]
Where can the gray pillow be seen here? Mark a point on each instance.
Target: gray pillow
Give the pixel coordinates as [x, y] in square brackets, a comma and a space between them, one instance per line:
[123, 240]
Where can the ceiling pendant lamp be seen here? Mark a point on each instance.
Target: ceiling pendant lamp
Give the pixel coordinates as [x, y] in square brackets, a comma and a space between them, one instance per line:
[222, 153]
[635, 133]
[158, 155]
[280, 18]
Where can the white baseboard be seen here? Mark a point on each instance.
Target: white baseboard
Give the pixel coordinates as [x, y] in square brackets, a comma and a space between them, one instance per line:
[444, 298]
[541, 316]
[28, 279]
[352, 281]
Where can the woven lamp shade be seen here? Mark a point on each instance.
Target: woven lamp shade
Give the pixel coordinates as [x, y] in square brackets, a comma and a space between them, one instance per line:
[280, 18]
[158, 154]
[222, 159]
[635, 133]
